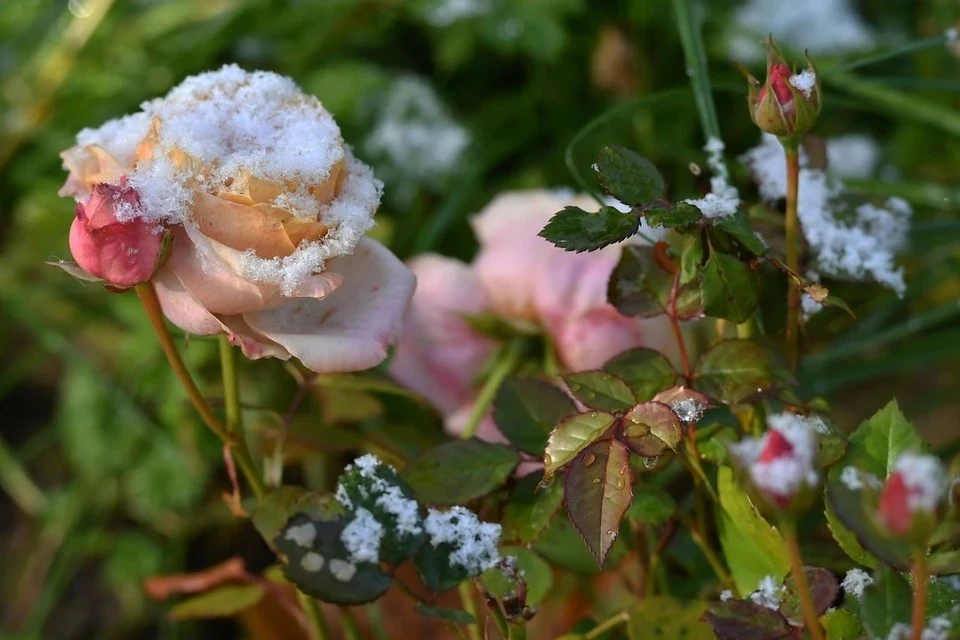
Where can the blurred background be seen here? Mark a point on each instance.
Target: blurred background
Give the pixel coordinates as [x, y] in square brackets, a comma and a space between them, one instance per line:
[107, 476]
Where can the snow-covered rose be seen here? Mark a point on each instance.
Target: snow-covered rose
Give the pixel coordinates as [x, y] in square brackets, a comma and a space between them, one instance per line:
[267, 209]
[524, 280]
[912, 495]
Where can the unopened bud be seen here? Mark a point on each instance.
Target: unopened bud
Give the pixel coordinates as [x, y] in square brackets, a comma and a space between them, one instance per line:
[912, 497]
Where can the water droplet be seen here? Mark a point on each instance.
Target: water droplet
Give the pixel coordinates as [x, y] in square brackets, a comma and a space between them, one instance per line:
[547, 460]
[651, 462]
[611, 532]
[594, 414]
[624, 469]
[620, 483]
[79, 8]
[588, 460]
[596, 481]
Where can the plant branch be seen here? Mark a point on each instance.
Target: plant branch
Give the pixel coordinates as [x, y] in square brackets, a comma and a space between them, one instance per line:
[793, 255]
[919, 571]
[610, 623]
[505, 364]
[314, 615]
[675, 324]
[466, 596]
[800, 580]
[231, 396]
[696, 534]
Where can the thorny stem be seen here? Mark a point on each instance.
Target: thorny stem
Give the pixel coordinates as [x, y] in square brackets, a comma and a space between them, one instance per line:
[466, 595]
[919, 571]
[148, 297]
[505, 364]
[610, 623]
[672, 314]
[800, 580]
[314, 615]
[793, 255]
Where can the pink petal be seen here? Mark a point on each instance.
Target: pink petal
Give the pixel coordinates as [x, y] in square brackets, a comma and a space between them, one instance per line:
[350, 329]
[440, 354]
[589, 340]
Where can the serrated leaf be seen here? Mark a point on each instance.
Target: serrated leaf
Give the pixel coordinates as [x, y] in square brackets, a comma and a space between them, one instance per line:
[733, 371]
[572, 436]
[573, 229]
[530, 508]
[317, 562]
[456, 616]
[527, 409]
[275, 510]
[459, 471]
[665, 617]
[651, 429]
[854, 517]
[598, 489]
[646, 371]
[638, 286]
[847, 540]
[823, 591]
[738, 227]
[628, 176]
[564, 547]
[746, 620]
[220, 602]
[728, 288]
[691, 258]
[752, 547]
[651, 505]
[879, 441]
[672, 216]
[600, 390]
[885, 603]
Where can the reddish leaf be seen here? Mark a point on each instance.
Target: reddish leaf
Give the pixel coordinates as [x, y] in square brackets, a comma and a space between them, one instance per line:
[745, 620]
[651, 429]
[823, 591]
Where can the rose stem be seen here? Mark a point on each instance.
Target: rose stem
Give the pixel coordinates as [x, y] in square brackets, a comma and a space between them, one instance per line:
[800, 580]
[674, 323]
[466, 596]
[610, 623]
[793, 255]
[314, 615]
[919, 571]
[505, 364]
[231, 396]
[148, 297]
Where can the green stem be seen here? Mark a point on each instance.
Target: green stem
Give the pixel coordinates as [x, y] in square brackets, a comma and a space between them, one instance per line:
[18, 484]
[696, 534]
[793, 255]
[696, 61]
[231, 397]
[919, 571]
[314, 616]
[505, 364]
[800, 581]
[466, 596]
[610, 623]
[932, 42]
[349, 625]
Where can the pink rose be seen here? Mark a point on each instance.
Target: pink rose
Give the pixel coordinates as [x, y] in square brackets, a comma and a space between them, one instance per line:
[526, 281]
[267, 210]
[912, 495]
[122, 252]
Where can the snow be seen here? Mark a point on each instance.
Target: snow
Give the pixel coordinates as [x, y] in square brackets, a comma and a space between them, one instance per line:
[853, 156]
[768, 594]
[723, 199]
[924, 477]
[804, 82]
[302, 535]
[445, 12]
[809, 306]
[725, 595]
[342, 570]
[312, 561]
[855, 582]
[858, 244]
[362, 537]
[820, 26]
[856, 479]
[951, 34]
[389, 497]
[783, 475]
[474, 542]
[688, 409]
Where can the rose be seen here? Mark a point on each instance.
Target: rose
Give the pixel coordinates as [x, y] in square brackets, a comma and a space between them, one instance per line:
[786, 105]
[525, 281]
[266, 209]
[912, 496]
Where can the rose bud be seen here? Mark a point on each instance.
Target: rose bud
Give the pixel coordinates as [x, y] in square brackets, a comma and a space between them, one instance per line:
[780, 467]
[787, 105]
[912, 496]
[109, 242]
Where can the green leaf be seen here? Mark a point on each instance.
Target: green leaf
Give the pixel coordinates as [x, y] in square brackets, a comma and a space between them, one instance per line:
[847, 540]
[598, 489]
[562, 545]
[738, 227]
[638, 286]
[220, 602]
[879, 441]
[671, 216]
[456, 616]
[832, 445]
[716, 446]
[691, 258]
[886, 602]
[823, 591]
[572, 436]
[840, 624]
[537, 575]
[600, 390]
[752, 547]
[651, 505]
[459, 471]
[646, 371]
[527, 409]
[574, 229]
[276, 509]
[628, 176]
[651, 429]
[729, 288]
[733, 371]
[667, 618]
[530, 508]
[317, 562]
[746, 620]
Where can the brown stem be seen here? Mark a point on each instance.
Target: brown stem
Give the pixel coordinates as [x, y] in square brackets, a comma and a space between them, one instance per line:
[672, 314]
[800, 580]
[919, 571]
[793, 255]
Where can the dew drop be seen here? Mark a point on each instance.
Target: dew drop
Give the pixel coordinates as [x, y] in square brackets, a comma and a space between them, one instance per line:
[620, 483]
[588, 460]
[651, 462]
[547, 460]
[594, 414]
[596, 481]
[611, 532]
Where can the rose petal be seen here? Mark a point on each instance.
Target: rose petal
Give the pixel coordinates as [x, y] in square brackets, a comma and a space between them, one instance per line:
[440, 354]
[351, 328]
[515, 213]
[589, 340]
[88, 166]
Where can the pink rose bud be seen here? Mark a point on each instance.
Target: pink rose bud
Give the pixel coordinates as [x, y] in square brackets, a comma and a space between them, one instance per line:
[780, 467]
[912, 495]
[787, 105]
[122, 249]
